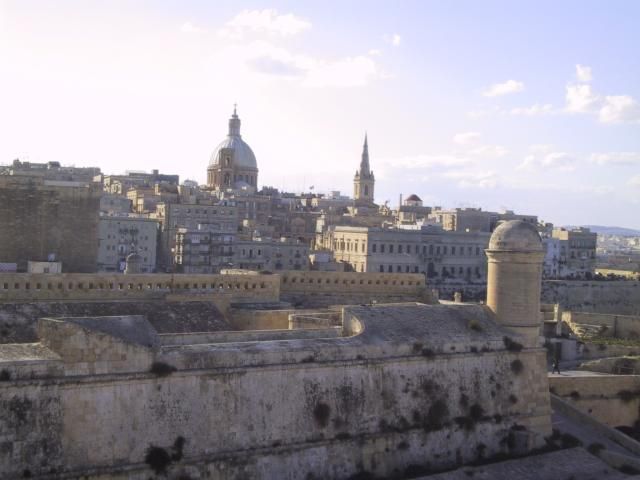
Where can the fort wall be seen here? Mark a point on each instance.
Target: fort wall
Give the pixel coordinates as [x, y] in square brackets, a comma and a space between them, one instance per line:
[616, 326]
[611, 399]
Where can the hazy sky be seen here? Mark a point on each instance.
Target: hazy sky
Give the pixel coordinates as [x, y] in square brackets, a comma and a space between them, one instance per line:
[532, 106]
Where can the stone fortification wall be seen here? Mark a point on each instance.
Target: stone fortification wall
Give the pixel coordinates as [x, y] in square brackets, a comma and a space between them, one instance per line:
[195, 338]
[88, 287]
[321, 289]
[611, 399]
[429, 392]
[615, 297]
[617, 326]
[39, 218]
[18, 320]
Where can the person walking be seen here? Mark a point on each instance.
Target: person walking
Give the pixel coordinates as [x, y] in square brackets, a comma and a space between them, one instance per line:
[556, 365]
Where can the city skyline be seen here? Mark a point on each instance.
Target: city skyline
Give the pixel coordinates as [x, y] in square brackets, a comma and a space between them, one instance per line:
[546, 123]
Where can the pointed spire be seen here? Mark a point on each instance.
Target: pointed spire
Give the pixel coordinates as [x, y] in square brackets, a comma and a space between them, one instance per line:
[234, 123]
[364, 163]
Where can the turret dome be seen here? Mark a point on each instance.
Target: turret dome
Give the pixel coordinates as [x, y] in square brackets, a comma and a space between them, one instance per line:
[516, 235]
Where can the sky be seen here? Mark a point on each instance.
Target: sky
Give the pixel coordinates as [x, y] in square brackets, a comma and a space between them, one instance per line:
[529, 106]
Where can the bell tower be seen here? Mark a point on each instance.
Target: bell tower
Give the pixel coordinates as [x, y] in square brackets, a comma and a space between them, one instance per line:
[364, 181]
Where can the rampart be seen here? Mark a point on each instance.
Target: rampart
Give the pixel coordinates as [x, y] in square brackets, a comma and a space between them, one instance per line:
[403, 386]
[611, 399]
[617, 326]
[321, 289]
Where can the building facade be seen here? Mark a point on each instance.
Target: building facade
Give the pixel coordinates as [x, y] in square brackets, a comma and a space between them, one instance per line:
[221, 216]
[271, 254]
[431, 251]
[120, 236]
[577, 252]
[208, 249]
[44, 220]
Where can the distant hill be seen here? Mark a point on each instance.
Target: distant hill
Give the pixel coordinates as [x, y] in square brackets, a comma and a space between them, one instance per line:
[613, 230]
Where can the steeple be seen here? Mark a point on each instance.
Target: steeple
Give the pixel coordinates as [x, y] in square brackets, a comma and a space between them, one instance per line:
[364, 163]
[234, 123]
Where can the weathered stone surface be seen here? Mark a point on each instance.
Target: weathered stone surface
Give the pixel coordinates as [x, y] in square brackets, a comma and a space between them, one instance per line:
[17, 320]
[408, 385]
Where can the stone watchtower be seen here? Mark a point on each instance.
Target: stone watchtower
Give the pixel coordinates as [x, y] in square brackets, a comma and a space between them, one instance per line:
[515, 256]
[364, 181]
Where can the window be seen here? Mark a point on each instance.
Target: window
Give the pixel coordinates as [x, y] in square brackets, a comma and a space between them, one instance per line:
[374, 248]
[453, 250]
[391, 248]
[382, 248]
[399, 248]
[381, 268]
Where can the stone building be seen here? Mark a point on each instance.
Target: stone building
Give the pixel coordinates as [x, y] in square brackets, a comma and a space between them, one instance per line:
[207, 249]
[220, 215]
[42, 219]
[271, 254]
[121, 184]
[412, 211]
[121, 235]
[233, 164]
[476, 219]
[53, 171]
[577, 251]
[431, 251]
[364, 181]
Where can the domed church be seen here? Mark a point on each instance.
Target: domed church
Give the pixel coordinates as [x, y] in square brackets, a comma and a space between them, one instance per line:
[233, 164]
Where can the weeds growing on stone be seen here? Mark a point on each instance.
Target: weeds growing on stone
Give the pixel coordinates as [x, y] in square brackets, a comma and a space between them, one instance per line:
[517, 366]
[162, 369]
[511, 344]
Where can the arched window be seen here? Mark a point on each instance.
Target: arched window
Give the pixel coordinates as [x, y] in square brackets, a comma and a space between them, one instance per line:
[366, 190]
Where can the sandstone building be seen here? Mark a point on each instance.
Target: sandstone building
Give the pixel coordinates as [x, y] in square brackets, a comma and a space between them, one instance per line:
[121, 235]
[430, 251]
[49, 219]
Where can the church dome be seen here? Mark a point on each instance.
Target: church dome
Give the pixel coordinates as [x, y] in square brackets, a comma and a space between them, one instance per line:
[243, 156]
[516, 235]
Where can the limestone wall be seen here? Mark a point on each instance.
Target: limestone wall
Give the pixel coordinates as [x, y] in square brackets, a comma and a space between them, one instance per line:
[322, 289]
[617, 326]
[611, 399]
[18, 320]
[614, 297]
[247, 336]
[85, 287]
[368, 416]
[378, 403]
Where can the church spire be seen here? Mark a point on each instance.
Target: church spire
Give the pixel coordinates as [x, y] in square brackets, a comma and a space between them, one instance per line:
[234, 123]
[364, 163]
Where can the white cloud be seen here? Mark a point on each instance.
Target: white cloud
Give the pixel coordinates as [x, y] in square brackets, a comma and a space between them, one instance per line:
[497, 89]
[489, 151]
[393, 39]
[533, 110]
[619, 109]
[541, 158]
[344, 72]
[374, 52]
[188, 27]
[635, 181]
[466, 138]
[583, 73]
[466, 179]
[425, 161]
[272, 62]
[616, 158]
[580, 98]
[267, 21]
